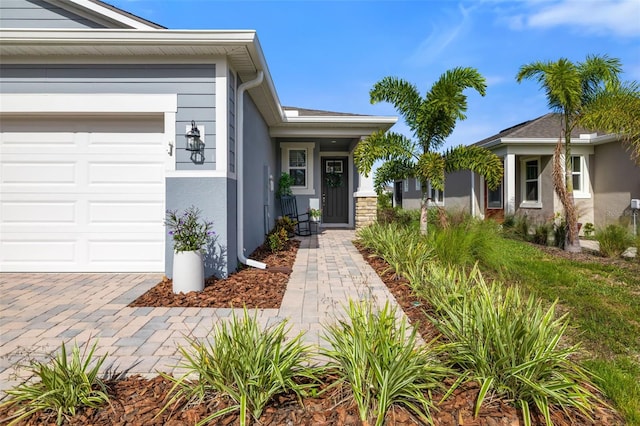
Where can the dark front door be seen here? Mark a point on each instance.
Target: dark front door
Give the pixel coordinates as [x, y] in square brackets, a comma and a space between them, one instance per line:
[335, 190]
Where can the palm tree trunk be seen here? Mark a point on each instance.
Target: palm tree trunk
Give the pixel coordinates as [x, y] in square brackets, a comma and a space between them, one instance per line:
[564, 188]
[424, 209]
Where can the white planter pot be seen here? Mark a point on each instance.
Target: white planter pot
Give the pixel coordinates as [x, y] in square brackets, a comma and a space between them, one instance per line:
[314, 219]
[188, 271]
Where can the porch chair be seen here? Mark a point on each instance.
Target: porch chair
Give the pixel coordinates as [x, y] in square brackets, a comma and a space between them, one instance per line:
[290, 209]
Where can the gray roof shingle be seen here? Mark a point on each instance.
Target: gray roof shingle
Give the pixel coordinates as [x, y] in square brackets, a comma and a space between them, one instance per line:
[545, 127]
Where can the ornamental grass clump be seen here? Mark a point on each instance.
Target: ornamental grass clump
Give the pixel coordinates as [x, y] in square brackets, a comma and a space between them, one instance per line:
[614, 240]
[65, 385]
[244, 362]
[511, 346]
[402, 247]
[189, 233]
[382, 362]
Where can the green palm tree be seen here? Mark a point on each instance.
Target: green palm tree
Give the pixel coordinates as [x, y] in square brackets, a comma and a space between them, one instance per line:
[572, 90]
[431, 120]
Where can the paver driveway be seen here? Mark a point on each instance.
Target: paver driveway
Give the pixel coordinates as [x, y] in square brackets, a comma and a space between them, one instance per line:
[39, 311]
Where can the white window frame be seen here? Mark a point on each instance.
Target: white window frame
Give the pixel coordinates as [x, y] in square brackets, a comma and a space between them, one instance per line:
[528, 204]
[418, 186]
[583, 192]
[438, 196]
[308, 189]
[405, 185]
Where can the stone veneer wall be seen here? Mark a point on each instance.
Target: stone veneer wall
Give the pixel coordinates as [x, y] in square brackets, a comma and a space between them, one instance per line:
[366, 211]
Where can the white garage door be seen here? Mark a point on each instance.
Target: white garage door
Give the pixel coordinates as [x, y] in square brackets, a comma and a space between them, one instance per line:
[82, 194]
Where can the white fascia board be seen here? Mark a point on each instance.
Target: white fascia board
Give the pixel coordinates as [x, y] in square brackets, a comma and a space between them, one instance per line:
[337, 120]
[109, 14]
[21, 36]
[87, 103]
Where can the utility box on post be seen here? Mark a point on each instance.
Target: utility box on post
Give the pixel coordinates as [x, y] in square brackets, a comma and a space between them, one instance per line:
[635, 203]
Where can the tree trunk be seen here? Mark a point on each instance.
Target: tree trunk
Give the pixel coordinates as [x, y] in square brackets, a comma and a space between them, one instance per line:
[563, 184]
[424, 210]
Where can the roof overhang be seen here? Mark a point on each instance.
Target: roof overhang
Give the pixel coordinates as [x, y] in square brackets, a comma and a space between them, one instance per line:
[332, 126]
[241, 48]
[551, 142]
[105, 14]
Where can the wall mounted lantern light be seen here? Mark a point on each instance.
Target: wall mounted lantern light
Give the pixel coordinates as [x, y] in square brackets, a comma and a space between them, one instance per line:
[193, 138]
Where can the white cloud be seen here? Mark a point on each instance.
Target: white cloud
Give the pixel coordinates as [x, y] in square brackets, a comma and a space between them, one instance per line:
[619, 17]
[439, 39]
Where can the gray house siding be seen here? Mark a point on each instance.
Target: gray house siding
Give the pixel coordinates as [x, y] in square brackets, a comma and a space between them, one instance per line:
[40, 14]
[259, 163]
[194, 84]
[616, 180]
[210, 195]
[456, 191]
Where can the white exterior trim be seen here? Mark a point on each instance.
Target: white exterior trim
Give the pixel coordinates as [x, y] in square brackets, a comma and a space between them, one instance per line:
[195, 173]
[509, 184]
[87, 103]
[222, 117]
[285, 147]
[523, 183]
[110, 14]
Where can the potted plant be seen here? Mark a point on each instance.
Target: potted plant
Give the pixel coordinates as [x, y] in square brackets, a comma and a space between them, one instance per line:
[314, 214]
[284, 185]
[190, 237]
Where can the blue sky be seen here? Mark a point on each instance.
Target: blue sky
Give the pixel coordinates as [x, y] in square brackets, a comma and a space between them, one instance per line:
[328, 54]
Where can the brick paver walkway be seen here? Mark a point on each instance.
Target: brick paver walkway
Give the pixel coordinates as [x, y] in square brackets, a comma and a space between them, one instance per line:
[39, 311]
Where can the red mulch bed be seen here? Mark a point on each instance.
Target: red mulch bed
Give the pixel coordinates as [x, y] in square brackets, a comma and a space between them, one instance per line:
[137, 401]
[250, 287]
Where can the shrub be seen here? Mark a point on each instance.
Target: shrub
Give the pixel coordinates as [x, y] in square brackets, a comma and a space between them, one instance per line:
[65, 385]
[244, 362]
[510, 345]
[614, 240]
[382, 362]
[277, 240]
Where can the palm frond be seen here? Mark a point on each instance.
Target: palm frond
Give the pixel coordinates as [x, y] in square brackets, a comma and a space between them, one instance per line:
[431, 168]
[381, 146]
[476, 159]
[403, 95]
[392, 170]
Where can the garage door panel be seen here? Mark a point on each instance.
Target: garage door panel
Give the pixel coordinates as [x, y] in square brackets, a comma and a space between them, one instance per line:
[125, 251]
[31, 171]
[129, 173]
[38, 212]
[82, 194]
[29, 252]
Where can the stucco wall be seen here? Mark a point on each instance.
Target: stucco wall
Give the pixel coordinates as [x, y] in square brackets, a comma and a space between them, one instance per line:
[210, 196]
[457, 191]
[547, 194]
[259, 163]
[616, 180]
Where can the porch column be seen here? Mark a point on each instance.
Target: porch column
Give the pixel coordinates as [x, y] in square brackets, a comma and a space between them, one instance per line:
[510, 183]
[366, 202]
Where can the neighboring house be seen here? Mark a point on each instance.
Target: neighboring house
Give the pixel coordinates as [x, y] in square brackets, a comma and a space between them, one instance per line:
[605, 179]
[95, 106]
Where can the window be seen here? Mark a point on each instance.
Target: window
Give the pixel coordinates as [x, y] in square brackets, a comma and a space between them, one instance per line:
[580, 176]
[494, 198]
[405, 185]
[298, 167]
[418, 186]
[531, 183]
[576, 172]
[297, 161]
[436, 196]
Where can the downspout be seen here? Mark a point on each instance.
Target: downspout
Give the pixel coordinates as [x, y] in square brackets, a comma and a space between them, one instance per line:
[240, 170]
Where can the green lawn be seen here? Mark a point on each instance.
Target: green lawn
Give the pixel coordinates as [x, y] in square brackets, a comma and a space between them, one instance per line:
[603, 301]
